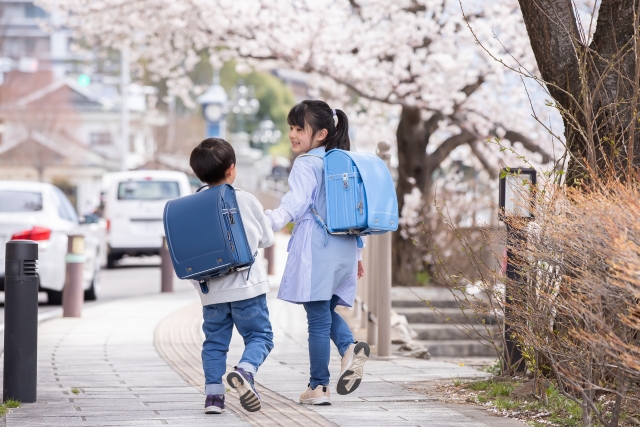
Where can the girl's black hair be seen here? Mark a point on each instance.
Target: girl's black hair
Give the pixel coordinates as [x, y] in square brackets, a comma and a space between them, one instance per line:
[318, 116]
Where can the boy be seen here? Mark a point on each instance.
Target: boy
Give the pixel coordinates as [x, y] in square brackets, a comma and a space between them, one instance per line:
[232, 299]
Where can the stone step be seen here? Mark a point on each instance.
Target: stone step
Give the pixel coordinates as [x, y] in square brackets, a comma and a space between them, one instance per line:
[446, 332]
[445, 315]
[458, 348]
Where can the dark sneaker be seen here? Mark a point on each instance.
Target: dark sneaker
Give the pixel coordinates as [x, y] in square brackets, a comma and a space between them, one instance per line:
[242, 381]
[214, 404]
[352, 367]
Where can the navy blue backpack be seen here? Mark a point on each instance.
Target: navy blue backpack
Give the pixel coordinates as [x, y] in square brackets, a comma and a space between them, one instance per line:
[205, 235]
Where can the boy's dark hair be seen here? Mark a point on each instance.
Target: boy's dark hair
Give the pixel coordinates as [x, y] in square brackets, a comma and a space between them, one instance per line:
[211, 159]
[318, 116]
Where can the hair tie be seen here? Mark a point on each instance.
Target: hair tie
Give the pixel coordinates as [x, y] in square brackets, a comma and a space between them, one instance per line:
[333, 112]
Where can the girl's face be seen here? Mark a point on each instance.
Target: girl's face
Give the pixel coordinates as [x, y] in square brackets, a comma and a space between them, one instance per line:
[301, 139]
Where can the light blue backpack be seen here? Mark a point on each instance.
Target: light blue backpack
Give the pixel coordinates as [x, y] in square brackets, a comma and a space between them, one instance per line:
[361, 196]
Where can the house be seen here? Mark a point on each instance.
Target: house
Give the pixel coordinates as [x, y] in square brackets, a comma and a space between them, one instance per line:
[24, 44]
[54, 130]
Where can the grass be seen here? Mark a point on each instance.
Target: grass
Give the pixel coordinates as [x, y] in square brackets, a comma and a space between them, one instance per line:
[75, 390]
[10, 403]
[560, 410]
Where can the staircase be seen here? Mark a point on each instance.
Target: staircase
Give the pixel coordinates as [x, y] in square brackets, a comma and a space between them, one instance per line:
[440, 332]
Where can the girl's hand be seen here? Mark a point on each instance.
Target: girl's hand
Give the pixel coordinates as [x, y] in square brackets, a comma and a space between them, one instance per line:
[360, 269]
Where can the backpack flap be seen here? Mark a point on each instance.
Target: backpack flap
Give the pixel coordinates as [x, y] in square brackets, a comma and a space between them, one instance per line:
[197, 242]
[236, 235]
[380, 192]
[346, 199]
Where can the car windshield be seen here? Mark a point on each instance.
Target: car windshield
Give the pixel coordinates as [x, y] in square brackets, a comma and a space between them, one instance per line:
[148, 190]
[20, 201]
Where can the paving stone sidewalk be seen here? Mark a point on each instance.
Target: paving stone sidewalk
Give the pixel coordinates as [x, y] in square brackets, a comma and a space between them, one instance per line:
[110, 359]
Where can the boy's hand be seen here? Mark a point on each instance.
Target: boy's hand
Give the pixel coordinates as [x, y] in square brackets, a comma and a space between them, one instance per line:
[360, 269]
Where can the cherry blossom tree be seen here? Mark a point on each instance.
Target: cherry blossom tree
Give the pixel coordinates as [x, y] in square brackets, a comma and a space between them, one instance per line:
[412, 65]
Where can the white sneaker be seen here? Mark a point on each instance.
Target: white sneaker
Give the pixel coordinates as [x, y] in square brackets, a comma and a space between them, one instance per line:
[352, 367]
[319, 396]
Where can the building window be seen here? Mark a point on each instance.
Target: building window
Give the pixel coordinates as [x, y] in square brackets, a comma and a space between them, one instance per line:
[33, 11]
[100, 138]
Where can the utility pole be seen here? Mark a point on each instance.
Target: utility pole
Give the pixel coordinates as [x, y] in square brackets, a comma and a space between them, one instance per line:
[125, 79]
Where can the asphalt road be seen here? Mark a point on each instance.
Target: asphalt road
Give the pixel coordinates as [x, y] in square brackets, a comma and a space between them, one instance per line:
[132, 277]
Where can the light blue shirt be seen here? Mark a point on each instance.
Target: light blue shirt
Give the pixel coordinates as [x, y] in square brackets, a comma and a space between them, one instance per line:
[317, 267]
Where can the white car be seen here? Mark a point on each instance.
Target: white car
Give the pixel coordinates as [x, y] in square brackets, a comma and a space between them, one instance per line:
[133, 208]
[42, 213]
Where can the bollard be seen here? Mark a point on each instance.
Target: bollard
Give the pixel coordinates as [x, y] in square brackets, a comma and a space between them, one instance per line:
[270, 256]
[166, 268]
[73, 292]
[20, 321]
[383, 276]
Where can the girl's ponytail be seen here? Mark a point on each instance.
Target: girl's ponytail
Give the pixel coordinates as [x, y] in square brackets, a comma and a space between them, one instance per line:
[318, 115]
[340, 139]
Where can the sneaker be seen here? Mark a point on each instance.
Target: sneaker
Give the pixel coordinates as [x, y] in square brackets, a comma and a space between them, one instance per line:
[318, 396]
[243, 382]
[214, 404]
[352, 367]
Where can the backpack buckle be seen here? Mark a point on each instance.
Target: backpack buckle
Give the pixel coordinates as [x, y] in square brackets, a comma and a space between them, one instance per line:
[345, 181]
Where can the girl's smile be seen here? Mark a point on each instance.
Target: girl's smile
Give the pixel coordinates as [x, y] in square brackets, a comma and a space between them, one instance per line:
[301, 139]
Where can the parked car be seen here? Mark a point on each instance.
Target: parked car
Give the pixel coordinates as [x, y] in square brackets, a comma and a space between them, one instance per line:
[42, 213]
[133, 208]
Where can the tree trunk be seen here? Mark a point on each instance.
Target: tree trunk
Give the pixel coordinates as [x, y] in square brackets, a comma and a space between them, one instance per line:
[409, 251]
[595, 86]
[411, 245]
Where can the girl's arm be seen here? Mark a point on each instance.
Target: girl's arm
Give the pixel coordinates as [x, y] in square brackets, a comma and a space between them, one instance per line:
[267, 237]
[302, 184]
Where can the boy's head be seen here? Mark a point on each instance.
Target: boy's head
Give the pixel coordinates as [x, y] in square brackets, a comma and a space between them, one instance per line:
[214, 161]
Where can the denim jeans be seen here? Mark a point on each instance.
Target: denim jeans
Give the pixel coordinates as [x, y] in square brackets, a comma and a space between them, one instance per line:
[324, 325]
[251, 317]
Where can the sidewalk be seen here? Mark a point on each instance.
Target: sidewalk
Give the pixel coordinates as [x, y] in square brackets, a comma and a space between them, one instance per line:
[136, 362]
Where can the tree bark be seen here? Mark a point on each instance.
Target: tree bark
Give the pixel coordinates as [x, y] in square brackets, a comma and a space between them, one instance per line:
[595, 86]
[413, 171]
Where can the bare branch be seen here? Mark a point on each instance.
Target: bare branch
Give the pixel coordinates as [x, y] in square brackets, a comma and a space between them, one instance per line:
[464, 137]
[514, 136]
[493, 173]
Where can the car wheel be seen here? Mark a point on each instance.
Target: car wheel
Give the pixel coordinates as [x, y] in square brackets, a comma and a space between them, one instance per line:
[92, 293]
[111, 259]
[54, 297]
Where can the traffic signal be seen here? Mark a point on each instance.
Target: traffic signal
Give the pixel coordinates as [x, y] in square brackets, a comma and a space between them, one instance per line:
[84, 80]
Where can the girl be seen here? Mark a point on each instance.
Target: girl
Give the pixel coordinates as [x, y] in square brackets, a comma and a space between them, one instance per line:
[321, 269]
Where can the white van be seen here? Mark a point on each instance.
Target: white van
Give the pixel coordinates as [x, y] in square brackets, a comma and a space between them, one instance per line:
[133, 208]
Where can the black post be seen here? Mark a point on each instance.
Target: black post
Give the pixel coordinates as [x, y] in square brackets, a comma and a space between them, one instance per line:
[512, 353]
[20, 321]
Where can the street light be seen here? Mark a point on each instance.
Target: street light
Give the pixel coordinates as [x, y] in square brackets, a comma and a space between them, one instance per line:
[266, 134]
[243, 104]
[515, 188]
[515, 202]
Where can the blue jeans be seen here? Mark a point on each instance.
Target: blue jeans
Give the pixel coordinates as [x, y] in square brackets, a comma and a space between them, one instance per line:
[251, 317]
[324, 325]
